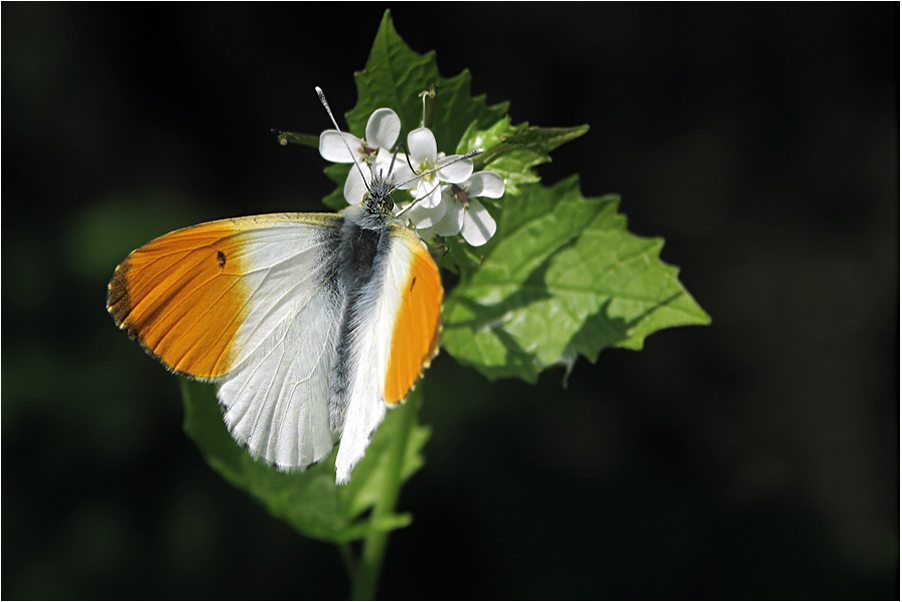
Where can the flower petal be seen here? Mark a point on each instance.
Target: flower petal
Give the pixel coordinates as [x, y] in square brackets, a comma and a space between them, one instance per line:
[383, 128]
[402, 174]
[354, 187]
[425, 217]
[429, 194]
[422, 146]
[453, 220]
[485, 183]
[332, 149]
[478, 226]
[457, 172]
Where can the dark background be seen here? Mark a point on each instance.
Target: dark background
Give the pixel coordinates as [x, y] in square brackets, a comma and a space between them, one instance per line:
[754, 458]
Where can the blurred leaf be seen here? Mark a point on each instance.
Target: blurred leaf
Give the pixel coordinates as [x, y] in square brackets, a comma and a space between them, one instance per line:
[562, 277]
[105, 232]
[310, 501]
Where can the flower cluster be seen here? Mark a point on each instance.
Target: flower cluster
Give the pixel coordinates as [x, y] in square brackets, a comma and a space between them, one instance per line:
[442, 202]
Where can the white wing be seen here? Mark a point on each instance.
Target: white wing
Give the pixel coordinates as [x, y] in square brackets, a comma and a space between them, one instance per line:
[254, 305]
[376, 315]
[276, 397]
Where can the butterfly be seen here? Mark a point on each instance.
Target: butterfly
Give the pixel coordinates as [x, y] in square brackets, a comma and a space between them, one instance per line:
[310, 325]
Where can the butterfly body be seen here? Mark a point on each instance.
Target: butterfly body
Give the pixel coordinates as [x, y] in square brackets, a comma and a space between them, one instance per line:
[311, 325]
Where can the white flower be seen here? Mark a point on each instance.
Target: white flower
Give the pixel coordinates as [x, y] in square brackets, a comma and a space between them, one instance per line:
[425, 217]
[463, 213]
[382, 130]
[424, 156]
[443, 202]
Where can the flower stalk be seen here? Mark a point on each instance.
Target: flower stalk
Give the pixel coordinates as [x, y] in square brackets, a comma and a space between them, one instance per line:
[429, 103]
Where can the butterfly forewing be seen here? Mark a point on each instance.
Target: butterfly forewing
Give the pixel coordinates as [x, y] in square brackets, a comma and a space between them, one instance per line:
[395, 337]
[182, 297]
[417, 323]
[243, 302]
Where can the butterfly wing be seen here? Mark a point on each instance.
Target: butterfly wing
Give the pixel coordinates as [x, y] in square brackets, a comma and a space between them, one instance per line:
[397, 319]
[254, 305]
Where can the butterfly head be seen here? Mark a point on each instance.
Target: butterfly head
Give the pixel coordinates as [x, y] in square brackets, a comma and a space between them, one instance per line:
[377, 199]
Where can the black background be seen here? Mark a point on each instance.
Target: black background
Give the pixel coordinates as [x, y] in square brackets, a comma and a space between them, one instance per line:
[754, 458]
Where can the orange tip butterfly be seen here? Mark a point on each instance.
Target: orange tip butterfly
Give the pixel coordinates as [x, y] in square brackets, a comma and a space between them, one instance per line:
[311, 325]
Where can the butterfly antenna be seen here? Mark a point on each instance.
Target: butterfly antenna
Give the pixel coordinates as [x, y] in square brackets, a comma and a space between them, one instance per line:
[322, 99]
[403, 146]
[391, 165]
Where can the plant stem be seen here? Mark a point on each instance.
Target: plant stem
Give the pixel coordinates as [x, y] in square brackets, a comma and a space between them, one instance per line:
[366, 578]
[429, 105]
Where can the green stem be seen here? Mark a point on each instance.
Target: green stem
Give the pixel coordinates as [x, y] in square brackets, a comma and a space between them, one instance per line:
[429, 105]
[285, 138]
[366, 578]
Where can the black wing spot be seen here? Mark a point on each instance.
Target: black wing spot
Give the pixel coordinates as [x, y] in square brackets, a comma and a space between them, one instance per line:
[412, 282]
[221, 258]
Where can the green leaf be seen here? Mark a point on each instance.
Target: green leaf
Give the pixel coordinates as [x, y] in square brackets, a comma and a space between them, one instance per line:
[395, 76]
[310, 501]
[512, 151]
[562, 277]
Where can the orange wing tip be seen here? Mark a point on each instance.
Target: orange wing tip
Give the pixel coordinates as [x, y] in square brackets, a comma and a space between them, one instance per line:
[177, 299]
[117, 299]
[426, 364]
[119, 304]
[419, 313]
